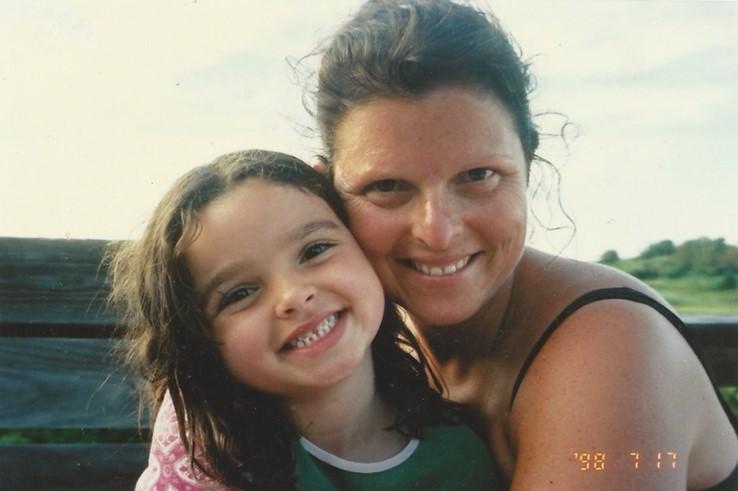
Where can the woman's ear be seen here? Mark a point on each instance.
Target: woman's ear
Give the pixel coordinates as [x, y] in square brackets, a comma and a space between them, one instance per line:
[319, 163]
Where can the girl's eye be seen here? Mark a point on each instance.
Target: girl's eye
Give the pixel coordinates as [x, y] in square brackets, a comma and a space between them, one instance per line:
[313, 250]
[386, 186]
[477, 175]
[236, 295]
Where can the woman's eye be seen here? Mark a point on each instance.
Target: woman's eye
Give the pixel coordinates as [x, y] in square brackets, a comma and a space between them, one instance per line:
[236, 295]
[388, 193]
[314, 250]
[386, 186]
[478, 174]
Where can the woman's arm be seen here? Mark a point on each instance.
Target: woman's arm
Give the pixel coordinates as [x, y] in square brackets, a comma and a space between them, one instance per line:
[613, 401]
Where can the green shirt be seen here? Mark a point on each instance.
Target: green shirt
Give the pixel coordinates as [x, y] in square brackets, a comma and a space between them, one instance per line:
[448, 458]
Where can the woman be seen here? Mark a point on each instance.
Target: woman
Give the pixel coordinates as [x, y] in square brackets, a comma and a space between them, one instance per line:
[580, 373]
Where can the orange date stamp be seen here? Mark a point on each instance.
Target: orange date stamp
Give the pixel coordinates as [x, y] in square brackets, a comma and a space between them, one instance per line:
[598, 461]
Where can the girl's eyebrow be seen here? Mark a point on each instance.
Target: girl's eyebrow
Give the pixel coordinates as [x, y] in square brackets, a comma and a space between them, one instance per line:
[233, 268]
[310, 227]
[218, 279]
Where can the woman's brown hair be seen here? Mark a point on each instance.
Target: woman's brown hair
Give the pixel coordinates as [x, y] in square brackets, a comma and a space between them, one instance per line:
[407, 48]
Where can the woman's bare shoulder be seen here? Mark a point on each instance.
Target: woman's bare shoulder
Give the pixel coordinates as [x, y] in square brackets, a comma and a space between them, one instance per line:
[603, 384]
[563, 279]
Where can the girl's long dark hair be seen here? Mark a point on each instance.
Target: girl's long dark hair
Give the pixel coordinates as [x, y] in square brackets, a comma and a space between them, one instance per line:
[237, 435]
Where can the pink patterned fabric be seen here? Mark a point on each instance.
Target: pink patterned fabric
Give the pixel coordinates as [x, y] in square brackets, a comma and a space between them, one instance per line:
[169, 465]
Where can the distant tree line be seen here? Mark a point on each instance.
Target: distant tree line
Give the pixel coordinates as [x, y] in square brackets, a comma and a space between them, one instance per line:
[664, 259]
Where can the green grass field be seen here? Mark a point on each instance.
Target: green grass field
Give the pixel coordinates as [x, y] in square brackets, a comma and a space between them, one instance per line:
[690, 293]
[694, 294]
[71, 435]
[730, 394]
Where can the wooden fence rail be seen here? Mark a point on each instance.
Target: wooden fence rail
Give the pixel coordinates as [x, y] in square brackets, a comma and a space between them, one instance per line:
[57, 372]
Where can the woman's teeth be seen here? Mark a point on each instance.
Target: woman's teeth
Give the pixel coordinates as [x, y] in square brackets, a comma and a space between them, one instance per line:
[319, 332]
[441, 270]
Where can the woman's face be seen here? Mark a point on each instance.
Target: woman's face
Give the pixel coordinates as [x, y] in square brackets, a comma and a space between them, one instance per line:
[436, 192]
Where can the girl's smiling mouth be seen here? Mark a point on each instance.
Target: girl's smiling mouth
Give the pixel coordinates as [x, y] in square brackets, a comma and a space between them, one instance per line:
[307, 336]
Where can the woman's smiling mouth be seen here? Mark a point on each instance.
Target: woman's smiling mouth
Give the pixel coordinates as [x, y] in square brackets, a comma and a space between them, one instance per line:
[439, 269]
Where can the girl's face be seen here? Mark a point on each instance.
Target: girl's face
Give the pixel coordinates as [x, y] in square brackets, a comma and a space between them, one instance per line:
[436, 191]
[291, 298]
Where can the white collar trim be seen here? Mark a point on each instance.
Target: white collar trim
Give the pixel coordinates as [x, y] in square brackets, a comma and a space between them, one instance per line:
[360, 467]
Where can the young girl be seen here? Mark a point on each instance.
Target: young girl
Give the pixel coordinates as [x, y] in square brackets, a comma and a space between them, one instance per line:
[266, 340]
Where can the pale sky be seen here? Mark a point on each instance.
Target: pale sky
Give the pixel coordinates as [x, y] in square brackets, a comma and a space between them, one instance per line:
[104, 104]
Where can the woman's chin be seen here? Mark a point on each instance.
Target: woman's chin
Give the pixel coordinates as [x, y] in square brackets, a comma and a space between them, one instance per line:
[439, 313]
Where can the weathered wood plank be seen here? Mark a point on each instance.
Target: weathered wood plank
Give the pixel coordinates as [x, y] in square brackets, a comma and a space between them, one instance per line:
[63, 383]
[74, 383]
[109, 467]
[19, 329]
[52, 281]
[717, 344]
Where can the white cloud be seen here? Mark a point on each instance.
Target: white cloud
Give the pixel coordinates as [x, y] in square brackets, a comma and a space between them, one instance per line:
[580, 39]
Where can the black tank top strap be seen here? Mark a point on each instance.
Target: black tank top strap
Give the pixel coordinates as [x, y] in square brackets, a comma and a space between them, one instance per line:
[620, 293]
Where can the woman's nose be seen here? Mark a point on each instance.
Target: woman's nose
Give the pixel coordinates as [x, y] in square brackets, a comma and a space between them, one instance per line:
[437, 222]
[294, 297]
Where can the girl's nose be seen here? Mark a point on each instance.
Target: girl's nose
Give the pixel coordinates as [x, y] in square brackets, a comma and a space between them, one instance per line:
[436, 222]
[294, 298]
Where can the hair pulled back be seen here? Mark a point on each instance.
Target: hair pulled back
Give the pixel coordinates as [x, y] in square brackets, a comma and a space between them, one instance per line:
[407, 48]
[238, 435]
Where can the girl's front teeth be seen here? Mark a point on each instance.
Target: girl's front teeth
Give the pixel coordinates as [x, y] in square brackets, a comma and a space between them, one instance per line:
[319, 332]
